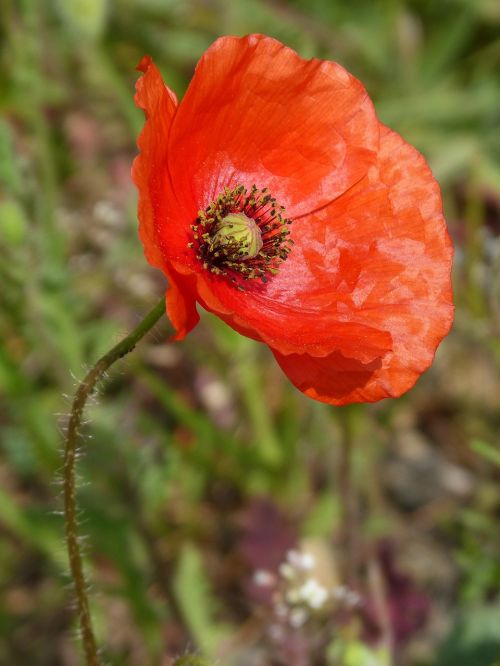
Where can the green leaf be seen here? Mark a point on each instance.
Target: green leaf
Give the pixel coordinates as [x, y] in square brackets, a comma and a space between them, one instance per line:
[198, 601]
[13, 223]
[10, 176]
[86, 17]
[474, 640]
[355, 653]
[486, 451]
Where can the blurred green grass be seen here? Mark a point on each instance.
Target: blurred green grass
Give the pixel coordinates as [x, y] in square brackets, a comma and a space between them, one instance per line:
[184, 439]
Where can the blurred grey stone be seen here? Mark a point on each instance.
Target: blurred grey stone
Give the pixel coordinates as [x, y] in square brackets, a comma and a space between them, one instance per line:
[416, 473]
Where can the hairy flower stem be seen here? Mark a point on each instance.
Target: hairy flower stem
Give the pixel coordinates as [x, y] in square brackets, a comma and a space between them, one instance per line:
[85, 389]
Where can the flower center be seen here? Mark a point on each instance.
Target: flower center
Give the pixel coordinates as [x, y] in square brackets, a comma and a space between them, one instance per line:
[242, 235]
[238, 237]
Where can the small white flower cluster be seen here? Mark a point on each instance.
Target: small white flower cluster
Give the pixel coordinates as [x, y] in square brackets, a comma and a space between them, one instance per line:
[297, 594]
[264, 578]
[296, 562]
[344, 595]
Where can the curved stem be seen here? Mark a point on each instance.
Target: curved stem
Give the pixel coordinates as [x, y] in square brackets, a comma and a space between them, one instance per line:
[85, 389]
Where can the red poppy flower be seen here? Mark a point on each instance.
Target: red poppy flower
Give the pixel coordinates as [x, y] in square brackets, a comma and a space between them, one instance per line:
[273, 196]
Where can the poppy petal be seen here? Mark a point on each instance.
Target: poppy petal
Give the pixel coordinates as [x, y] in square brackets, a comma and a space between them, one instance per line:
[150, 168]
[290, 329]
[150, 174]
[255, 112]
[334, 379]
[181, 304]
[414, 304]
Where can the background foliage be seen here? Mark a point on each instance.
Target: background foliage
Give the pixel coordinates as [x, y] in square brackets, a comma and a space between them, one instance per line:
[202, 463]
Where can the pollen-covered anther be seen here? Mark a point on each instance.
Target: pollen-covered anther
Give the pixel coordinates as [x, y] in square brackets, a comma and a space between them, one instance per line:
[242, 234]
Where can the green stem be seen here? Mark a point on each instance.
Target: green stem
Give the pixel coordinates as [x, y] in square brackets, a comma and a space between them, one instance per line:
[190, 660]
[348, 500]
[85, 389]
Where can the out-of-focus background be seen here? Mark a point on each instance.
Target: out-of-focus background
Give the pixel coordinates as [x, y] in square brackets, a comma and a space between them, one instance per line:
[203, 467]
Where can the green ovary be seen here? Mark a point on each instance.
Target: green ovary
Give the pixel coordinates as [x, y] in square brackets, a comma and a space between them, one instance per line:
[238, 237]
